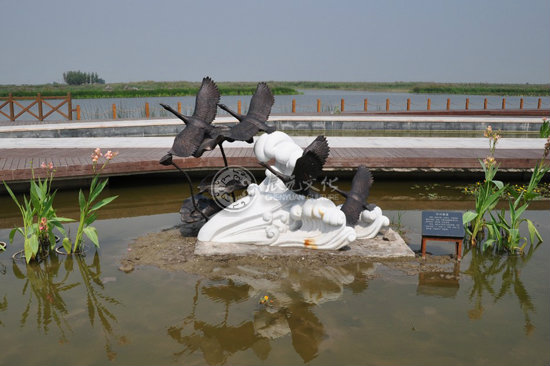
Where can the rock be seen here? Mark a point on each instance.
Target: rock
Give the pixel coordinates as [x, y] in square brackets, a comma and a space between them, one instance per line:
[390, 235]
[126, 267]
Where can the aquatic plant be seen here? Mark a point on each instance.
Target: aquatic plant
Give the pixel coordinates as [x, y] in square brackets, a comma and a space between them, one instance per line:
[39, 217]
[487, 194]
[503, 233]
[88, 210]
[544, 131]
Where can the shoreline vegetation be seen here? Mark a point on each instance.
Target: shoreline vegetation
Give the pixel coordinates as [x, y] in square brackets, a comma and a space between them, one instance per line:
[185, 88]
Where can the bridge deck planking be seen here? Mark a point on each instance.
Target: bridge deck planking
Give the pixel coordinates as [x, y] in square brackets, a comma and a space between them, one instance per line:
[15, 164]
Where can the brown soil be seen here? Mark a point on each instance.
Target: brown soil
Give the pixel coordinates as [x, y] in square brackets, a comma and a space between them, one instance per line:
[170, 251]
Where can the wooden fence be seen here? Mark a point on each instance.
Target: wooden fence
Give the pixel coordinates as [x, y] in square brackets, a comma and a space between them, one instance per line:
[408, 108]
[10, 102]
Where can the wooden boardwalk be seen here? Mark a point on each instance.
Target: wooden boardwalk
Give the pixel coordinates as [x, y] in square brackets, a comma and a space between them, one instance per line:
[72, 163]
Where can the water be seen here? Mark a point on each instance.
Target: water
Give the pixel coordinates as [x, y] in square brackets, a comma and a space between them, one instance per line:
[101, 109]
[305, 103]
[71, 310]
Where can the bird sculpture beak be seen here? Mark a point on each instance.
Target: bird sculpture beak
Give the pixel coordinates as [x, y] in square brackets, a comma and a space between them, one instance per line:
[166, 159]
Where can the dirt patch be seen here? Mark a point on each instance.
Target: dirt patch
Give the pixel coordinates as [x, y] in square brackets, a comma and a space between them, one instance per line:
[169, 250]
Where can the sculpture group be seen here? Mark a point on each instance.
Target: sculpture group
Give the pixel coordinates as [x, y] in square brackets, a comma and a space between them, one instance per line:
[283, 210]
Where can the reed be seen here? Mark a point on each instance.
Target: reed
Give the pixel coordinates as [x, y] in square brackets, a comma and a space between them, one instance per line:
[131, 90]
[484, 89]
[186, 88]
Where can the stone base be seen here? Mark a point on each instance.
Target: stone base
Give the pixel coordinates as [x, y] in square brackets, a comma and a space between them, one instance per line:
[388, 245]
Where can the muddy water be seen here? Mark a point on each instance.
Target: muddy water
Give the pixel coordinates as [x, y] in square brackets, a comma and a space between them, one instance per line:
[485, 310]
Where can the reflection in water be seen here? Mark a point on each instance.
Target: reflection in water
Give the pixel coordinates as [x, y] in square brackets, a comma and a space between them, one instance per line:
[497, 276]
[294, 293]
[48, 281]
[3, 307]
[439, 283]
[4, 302]
[44, 291]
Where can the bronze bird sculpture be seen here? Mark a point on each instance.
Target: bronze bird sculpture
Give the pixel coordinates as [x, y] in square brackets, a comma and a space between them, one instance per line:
[198, 135]
[307, 169]
[256, 118]
[208, 184]
[356, 198]
[198, 127]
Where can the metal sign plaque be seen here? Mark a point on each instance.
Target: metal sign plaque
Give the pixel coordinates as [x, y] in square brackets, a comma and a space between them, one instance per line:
[447, 224]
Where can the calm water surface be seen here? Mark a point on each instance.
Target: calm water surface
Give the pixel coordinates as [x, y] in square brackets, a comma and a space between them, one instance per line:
[82, 310]
[305, 103]
[93, 109]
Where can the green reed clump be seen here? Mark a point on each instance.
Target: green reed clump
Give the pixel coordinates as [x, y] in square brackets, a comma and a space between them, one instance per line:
[39, 216]
[134, 90]
[503, 231]
[484, 89]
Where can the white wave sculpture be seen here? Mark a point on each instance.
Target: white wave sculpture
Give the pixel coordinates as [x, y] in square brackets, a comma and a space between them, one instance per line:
[273, 215]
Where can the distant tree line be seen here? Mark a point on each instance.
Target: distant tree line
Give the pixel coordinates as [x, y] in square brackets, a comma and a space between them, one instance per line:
[80, 78]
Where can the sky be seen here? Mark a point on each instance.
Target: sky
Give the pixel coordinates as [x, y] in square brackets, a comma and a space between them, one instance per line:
[495, 41]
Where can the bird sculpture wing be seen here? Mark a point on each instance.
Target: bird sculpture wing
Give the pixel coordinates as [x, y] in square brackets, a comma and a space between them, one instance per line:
[243, 131]
[205, 184]
[261, 103]
[207, 100]
[356, 197]
[310, 165]
[208, 144]
[187, 141]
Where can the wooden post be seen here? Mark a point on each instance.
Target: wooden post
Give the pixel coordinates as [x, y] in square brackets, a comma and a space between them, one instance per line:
[521, 103]
[503, 103]
[239, 106]
[318, 105]
[114, 111]
[467, 106]
[366, 104]
[78, 112]
[40, 109]
[457, 241]
[293, 105]
[539, 103]
[179, 107]
[387, 104]
[70, 106]
[342, 105]
[12, 114]
[146, 109]
[448, 104]
[429, 105]
[408, 104]
[485, 103]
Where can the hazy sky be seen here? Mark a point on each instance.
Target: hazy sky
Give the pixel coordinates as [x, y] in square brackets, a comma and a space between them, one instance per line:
[383, 40]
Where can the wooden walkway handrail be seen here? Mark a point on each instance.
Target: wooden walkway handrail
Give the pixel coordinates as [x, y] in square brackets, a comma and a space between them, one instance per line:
[39, 101]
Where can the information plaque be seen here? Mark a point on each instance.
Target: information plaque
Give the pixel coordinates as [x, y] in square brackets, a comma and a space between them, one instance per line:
[442, 226]
[445, 224]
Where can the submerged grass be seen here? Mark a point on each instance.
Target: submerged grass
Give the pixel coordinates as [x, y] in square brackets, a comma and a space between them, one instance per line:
[185, 88]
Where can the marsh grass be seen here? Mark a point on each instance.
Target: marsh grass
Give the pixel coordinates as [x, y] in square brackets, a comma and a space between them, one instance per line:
[484, 89]
[134, 90]
[186, 88]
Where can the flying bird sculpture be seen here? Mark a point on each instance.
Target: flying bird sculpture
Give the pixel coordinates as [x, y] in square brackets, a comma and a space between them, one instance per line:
[356, 198]
[256, 118]
[198, 127]
[307, 169]
[208, 184]
[198, 134]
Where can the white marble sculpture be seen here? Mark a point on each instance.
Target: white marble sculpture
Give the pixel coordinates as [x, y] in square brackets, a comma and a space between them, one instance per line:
[273, 215]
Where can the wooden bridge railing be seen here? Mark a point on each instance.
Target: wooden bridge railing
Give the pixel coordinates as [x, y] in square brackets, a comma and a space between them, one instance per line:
[40, 101]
